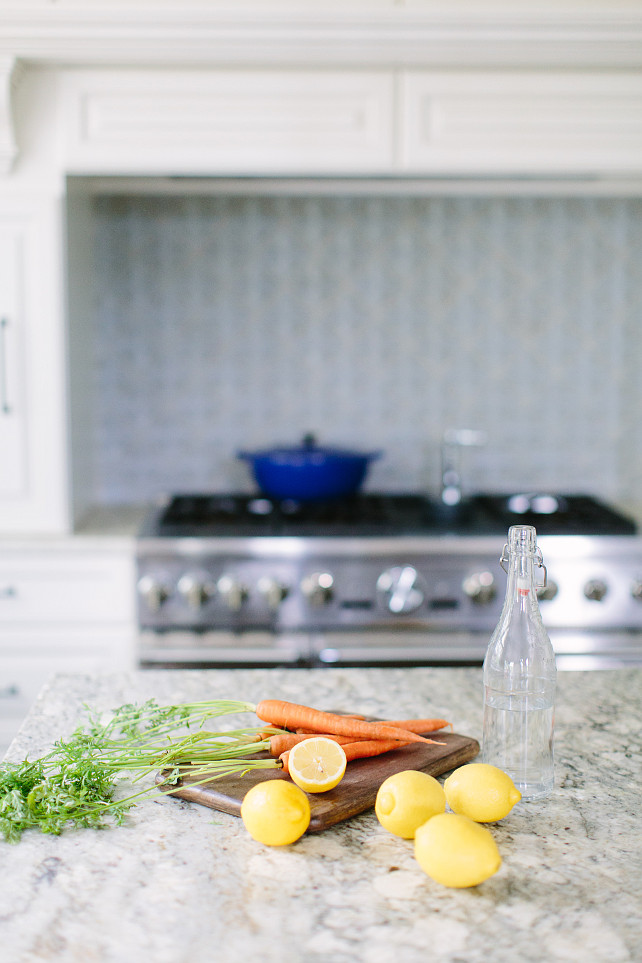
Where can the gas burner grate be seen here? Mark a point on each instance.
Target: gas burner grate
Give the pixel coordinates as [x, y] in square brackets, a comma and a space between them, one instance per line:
[249, 514]
[385, 514]
[557, 514]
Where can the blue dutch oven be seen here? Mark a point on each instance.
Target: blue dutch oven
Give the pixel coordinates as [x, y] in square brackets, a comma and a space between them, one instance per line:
[308, 472]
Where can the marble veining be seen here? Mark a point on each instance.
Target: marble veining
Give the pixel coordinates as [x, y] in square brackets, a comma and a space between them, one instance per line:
[182, 883]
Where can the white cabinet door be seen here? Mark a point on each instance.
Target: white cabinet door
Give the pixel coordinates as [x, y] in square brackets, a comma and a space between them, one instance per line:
[13, 428]
[228, 122]
[45, 587]
[64, 607]
[30, 657]
[33, 420]
[478, 123]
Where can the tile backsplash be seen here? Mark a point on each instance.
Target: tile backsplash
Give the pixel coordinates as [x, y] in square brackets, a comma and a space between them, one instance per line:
[227, 322]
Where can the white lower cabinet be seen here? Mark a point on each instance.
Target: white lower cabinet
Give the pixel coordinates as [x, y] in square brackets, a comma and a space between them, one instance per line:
[28, 659]
[63, 609]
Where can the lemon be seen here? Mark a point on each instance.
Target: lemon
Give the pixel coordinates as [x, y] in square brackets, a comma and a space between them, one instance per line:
[275, 812]
[481, 792]
[456, 851]
[406, 800]
[317, 764]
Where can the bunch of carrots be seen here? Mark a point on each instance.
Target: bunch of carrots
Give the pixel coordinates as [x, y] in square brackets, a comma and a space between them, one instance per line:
[359, 737]
[76, 783]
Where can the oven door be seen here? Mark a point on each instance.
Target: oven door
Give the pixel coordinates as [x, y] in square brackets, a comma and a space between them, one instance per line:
[210, 649]
[574, 650]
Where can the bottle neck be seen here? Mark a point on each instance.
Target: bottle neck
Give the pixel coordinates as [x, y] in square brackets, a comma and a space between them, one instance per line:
[522, 557]
[521, 588]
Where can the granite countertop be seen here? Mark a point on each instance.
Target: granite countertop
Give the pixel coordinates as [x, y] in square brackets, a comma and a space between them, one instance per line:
[180, 883]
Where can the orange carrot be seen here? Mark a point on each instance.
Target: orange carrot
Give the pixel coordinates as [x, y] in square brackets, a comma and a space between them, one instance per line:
[370, 747]
[364, 749]
[284, 759]
[286, 740]
[314, 732]
[419, 725]
[289, 715]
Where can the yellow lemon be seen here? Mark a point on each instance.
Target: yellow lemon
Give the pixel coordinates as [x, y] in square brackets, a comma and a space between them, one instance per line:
[481, 792]
[275, 812]
[317, 764]
[455, 851]
[406, 800]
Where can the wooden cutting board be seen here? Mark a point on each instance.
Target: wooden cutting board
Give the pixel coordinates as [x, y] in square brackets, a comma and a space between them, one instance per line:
[357, 790]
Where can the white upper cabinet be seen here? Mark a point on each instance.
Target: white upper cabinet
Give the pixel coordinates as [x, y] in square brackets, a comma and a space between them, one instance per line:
[451, 124]
[228, 122]
[520, 123]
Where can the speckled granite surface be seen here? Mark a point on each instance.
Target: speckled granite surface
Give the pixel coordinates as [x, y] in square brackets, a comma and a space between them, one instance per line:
[183, 884]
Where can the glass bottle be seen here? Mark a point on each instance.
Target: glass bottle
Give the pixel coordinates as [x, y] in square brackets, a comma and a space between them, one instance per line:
[519, 676]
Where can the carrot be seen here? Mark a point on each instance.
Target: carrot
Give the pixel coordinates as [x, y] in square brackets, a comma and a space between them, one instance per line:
[419, 725]
[284, 759]
[364, 749]
[372, 748]
[314, 732]
[289, 715]
[367, 748]
[286, 740]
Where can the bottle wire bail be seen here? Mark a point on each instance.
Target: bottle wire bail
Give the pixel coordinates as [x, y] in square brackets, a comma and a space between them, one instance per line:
[539, 560]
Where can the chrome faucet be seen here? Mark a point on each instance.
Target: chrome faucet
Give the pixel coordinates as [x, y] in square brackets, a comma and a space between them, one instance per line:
[453, 440]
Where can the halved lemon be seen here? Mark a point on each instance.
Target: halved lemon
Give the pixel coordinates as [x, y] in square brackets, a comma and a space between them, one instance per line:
[317, 764]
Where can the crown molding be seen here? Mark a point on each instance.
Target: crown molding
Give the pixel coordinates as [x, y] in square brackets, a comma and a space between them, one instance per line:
[575, 33]
[511, 35]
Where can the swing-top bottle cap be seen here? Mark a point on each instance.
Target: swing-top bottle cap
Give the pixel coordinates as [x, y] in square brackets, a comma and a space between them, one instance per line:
[522, 539]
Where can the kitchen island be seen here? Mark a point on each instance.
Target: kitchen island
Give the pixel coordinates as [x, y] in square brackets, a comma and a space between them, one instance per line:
[180, 883]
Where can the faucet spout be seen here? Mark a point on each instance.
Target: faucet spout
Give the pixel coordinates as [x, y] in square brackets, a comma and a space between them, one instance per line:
[453, 440]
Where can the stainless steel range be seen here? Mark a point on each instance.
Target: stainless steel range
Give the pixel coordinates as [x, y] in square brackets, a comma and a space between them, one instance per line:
[377, 579]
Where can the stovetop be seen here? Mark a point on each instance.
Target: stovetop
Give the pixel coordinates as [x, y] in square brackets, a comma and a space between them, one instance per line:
[384, 514]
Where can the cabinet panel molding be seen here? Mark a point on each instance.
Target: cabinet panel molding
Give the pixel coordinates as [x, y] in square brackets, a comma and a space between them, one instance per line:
[217, 122]
[528, 123]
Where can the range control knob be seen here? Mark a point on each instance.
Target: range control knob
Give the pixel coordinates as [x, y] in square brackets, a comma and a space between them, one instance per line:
[547, 592]
[595, 589]
[401, 589]
[318, 588]
[480, 587]
[232, 591]
[636, 589]
[272, 590]
[154, 590]
[196, 588]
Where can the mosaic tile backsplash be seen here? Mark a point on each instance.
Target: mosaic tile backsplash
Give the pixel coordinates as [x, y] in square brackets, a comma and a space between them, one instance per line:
[227, 322]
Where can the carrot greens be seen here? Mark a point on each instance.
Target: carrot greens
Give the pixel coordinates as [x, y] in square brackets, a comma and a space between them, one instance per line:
[79, 782]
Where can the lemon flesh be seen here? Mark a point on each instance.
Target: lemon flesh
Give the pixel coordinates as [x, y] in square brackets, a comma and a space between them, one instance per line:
[456, 851]
[406, 800]
[275, 812]
[317, 764]
[481, 792]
